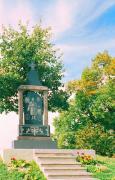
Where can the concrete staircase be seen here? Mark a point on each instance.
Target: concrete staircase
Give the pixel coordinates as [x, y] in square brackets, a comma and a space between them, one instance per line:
[61, 165]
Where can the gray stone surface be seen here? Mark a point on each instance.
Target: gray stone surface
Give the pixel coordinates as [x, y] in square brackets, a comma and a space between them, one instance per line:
[25, 154]
[56, 164]
[34, 144]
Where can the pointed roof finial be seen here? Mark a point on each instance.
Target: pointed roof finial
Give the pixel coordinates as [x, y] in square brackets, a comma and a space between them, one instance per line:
[33, 75]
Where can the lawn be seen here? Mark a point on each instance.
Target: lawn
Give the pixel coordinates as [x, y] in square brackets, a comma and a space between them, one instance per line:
[105, 170]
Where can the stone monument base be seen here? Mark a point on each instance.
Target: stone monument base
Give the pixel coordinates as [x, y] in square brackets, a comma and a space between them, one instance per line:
[28, 142]
[29, 154]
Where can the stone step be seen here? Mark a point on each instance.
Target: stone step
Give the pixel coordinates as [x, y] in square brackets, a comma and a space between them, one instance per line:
[62, 166]
[58, 164]
[65, 172]
[71, 177]
[54, 154]
[58, 151]
[64, 151]
[57, 160]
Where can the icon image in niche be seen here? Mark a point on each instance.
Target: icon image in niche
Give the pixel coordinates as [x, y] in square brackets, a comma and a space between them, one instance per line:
[32, 108]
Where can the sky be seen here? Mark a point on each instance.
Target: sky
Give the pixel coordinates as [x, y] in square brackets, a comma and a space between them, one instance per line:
[80, 28]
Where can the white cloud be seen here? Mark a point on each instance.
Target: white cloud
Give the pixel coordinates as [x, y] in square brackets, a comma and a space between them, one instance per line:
[2, 15]
[59, 16]
[64, 15]
[1, 10]
[89, 10]
[22, 10]
[86, 49]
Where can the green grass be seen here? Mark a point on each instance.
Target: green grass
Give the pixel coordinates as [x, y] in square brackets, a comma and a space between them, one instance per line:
[31, 172]
[105, 170]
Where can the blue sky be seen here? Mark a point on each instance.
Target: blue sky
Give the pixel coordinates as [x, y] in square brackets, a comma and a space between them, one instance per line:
[81, 28]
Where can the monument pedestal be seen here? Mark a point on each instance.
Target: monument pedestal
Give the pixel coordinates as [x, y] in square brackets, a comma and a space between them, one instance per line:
[34, 131]
[30, 142]
[34, 137]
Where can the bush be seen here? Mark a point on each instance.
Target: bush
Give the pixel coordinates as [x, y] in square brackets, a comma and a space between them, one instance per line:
[20, 170]
[67, 140]
[94, 137]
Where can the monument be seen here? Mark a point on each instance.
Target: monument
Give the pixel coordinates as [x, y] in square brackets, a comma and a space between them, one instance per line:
[34, 131]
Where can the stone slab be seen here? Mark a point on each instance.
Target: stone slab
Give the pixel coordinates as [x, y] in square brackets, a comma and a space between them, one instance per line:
[34, 144]
[33, 88]
[34, 138]
[67, 151]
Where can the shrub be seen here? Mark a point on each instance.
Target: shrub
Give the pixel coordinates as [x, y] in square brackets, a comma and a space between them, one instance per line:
[20, 169]
[67, 140]
[94, 137]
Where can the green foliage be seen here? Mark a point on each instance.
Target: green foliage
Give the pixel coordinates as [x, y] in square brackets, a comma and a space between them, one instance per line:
[94, 137]
[103, 108]
[21, 170]
[95, 92]
[3, 171]
[67, 140]
[19, 163]
[65, 128]
[91, 115]
[18, 48]
[99, 107]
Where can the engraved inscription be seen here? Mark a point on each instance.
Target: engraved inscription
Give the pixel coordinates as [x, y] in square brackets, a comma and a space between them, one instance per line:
[26, 130]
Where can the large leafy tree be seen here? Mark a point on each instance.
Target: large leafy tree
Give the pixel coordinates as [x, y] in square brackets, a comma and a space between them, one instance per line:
[93, 104]
[17, 49]
[95, 91]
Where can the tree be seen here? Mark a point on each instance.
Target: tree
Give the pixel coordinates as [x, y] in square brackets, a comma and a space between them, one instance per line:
[103, 108]
[65, 128]
[95, 91]
[91, 110]
[17, 49]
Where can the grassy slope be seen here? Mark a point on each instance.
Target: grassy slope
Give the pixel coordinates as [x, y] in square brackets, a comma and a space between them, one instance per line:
[109, 173]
